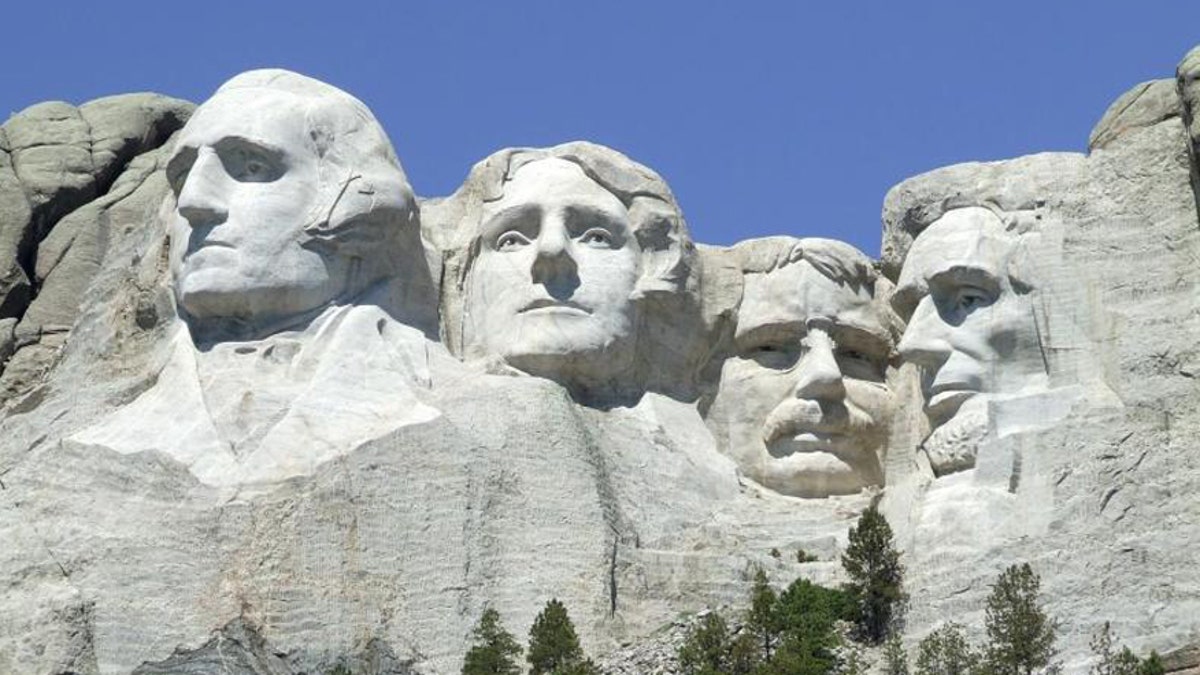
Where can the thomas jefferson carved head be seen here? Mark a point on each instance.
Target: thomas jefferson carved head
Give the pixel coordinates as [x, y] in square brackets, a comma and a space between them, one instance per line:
[803, 405]
[289, 198]
[568, 243]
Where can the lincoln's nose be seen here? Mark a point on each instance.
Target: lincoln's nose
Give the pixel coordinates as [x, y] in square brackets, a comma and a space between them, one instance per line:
[924, 342]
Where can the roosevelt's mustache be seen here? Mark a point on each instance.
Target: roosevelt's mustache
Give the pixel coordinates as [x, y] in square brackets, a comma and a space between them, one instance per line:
[796, 416]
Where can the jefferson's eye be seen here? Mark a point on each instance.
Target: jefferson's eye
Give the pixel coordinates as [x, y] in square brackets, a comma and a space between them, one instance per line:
[597, 237]
[510, 241]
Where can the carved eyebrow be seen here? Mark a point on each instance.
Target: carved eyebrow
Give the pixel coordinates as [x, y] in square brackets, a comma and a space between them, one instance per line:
[233, 141]
[965, 275]
[775, 330]
[517, 215]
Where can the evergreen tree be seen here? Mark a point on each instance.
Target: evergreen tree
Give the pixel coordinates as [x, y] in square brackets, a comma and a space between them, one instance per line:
[1152, 665]
[553, 646]
[876, 576]
[495, 651]
[1123, 662]
[895, 659]
[762, 619]
[706, 649]
[1020, 635]
[946, 651]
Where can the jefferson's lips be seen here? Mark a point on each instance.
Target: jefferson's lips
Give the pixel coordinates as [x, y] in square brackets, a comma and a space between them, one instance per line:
[550, 305]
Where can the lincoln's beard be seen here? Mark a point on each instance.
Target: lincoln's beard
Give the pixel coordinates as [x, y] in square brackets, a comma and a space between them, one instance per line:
[952, 447]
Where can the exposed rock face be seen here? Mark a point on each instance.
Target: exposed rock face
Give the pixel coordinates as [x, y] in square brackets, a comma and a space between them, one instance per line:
[68, 177]
[263, 411]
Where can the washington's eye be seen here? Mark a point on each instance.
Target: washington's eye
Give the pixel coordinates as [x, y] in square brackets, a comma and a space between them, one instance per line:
[511, 240]
[597, 237]
[255, 168]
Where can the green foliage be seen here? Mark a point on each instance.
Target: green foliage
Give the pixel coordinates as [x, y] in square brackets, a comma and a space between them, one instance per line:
[1152, 665]
[803, 556]
[895, 659]
[553, 646]
[805, 617]
[1020, 635]
[876, 576]
[709, 649]
[1123, 662]
[495, 651]
[946, 651]
[762, 619]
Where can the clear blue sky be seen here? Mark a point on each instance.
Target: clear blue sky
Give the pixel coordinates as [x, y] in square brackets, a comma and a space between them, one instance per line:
[765, 118]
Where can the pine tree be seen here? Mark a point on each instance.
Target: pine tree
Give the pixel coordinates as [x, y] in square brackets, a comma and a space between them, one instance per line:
[946, 651]
[1123, 662]
[762, 619]
[553, 646]
[895, 659]
[876, 576]
[1020, 635]
[495, 651]
[708, 648]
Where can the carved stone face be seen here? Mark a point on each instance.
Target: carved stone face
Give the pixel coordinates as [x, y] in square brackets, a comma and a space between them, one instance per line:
[245, 176]
[550, 289]
[970, 330]
[802, 404]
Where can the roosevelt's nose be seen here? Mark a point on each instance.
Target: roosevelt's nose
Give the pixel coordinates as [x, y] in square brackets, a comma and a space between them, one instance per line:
[818, 375]
[553, 265]
[924, 342]
[202, 199]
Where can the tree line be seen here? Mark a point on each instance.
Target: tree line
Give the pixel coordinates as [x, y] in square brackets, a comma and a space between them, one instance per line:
[808, 629]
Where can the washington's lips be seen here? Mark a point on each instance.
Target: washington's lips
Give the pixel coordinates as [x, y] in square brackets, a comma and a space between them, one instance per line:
[549, 305]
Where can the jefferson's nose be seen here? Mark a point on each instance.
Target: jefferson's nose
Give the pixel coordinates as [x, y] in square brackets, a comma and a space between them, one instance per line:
[553, 263]
[924, 341]
[818, 375]
[202, 199]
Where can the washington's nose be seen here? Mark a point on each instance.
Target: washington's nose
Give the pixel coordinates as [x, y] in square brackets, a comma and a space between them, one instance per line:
[201, 201]
[924, 341]
[818, 375]
[553, 264]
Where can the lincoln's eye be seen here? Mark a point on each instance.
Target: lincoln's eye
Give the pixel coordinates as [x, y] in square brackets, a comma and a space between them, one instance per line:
[511, 240]
[971, 298]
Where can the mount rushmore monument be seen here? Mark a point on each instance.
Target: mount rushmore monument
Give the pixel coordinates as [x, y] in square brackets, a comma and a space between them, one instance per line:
[253, 386]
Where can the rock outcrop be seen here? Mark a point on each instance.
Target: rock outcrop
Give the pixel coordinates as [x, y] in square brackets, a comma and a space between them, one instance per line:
[264, 411]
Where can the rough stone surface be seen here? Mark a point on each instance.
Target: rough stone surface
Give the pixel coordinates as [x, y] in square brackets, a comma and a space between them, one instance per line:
[66, 176]
[1145, 105]
[313, 458]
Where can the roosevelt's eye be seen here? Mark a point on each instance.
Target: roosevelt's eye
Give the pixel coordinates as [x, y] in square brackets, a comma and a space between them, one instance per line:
[597, 237]
[773, 355]
[511, 240]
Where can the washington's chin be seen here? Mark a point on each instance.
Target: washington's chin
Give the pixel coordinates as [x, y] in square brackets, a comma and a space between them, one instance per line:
[217, 293]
